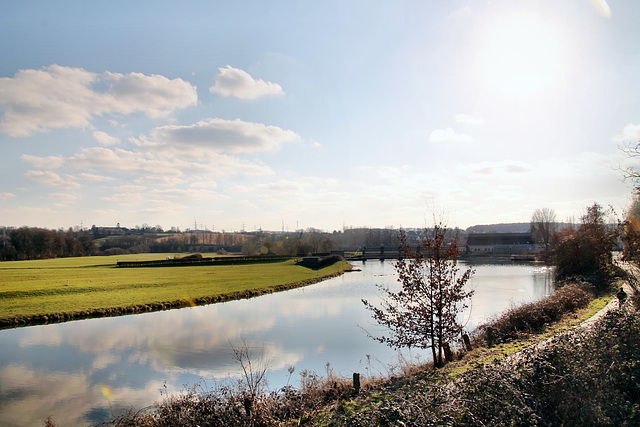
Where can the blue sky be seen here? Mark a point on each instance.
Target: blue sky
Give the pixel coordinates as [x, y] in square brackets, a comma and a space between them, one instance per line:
[314, 114]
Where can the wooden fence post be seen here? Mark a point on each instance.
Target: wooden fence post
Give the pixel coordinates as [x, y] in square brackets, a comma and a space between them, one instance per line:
[448, 355]
[356, 382]
[489, 336]
[467, 342]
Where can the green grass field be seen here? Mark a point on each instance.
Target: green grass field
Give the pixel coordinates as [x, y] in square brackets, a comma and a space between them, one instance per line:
[73, 286]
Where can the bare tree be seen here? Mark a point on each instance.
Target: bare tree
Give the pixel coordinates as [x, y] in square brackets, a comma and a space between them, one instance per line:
[425, 312]
[632, 150]
[543, 225]
[251, 386]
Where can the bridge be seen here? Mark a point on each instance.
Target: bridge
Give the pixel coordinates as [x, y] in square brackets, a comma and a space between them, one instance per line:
[379, 253]
[395, 252]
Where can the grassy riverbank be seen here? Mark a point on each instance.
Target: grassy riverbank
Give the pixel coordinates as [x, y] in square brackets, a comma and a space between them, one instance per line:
[34, 292]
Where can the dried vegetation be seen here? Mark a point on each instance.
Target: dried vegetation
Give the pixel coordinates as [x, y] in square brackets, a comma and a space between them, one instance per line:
[534, 317]
[588, 377]
[581, 377]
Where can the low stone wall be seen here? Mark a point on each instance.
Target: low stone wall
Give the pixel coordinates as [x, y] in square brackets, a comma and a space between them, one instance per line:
[231, 260]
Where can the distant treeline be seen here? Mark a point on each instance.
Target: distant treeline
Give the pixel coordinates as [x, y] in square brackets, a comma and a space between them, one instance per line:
[312, 241]
[180, 243]
[39, 243]
[27, 243]
[298, 243]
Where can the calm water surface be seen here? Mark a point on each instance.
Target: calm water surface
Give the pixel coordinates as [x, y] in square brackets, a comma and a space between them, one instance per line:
[83, 372]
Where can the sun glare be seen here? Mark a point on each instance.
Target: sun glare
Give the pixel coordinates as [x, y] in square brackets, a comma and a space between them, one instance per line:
[521, 57]
[602, 7]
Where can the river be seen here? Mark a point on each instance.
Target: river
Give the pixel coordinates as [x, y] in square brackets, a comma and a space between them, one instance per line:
[84, 372]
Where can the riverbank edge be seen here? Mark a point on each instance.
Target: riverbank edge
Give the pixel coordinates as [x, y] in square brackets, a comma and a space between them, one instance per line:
[51, 318]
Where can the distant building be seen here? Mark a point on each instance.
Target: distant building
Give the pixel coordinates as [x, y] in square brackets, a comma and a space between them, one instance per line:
[501, 244]
[108, 231]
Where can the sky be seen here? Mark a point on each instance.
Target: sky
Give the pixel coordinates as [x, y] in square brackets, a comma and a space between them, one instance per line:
[285, 115]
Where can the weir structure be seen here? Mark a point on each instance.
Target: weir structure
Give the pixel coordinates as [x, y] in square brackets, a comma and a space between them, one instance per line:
[383, 252]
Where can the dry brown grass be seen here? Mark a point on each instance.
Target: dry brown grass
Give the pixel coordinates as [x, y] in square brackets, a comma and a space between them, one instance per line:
[532, 318]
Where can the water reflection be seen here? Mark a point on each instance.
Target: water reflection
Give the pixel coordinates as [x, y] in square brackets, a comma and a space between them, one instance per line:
[82, 372]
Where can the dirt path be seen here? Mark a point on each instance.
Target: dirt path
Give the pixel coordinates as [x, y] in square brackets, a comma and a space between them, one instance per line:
[629, 287]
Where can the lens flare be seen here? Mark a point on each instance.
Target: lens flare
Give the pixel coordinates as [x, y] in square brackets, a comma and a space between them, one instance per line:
[634, 221]
[106, 391]
[602, 7]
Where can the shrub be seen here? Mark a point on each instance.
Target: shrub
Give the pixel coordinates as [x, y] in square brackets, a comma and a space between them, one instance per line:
[228, 405]
[190, 257]
[330, 260]
[631, 231]
[591, 377]
[114, 251]
[586, 252]
[533, 317]
[318, 263]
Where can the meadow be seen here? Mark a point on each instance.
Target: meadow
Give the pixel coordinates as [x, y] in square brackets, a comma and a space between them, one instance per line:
[43, 291]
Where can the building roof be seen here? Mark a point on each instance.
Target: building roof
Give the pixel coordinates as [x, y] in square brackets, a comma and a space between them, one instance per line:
[492, 239]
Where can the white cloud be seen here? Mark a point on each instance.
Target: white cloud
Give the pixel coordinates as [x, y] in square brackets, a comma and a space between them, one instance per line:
[129, 188]
[119, 160]
[219, 135]
[235, 82]
[449, 136]
[103, 159]
[282, 186]
[124, 198]
[53, 97]
[65, 97]
[500, 168]
[155, 180]
[469, 120]
[53, 162]
[5, 196]
[190, 194]
[51, 179]
[162, 206]
[63, 197]
[155, 95]
[204, 184]
[91, 177]
[104, 138]
[157, 168]
[247, 204]
[630, 134]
